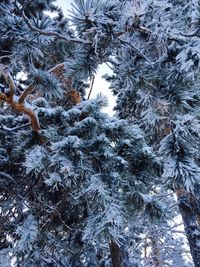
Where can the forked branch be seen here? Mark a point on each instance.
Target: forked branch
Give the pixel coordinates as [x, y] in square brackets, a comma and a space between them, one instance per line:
[20, 105]
[13, 101]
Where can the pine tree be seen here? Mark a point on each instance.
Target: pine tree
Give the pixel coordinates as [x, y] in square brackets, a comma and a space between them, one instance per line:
[79, 188]
[156, 83]
[72, 178]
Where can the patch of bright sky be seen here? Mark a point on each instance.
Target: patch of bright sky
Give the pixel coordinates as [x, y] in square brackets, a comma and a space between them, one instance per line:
[100, 85]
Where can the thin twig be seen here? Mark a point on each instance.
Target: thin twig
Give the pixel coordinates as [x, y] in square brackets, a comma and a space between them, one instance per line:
[7, 176]
[2, 127]
[91, 86]
[109, 66]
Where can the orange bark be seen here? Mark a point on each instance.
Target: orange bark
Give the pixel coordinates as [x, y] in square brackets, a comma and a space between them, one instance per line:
[15, 104]
[19, 107]
[19, 104]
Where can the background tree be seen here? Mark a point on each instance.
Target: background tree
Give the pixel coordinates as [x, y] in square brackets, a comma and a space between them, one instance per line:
[160, 89]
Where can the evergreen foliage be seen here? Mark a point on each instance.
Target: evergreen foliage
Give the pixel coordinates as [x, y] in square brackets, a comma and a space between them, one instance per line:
[80, 188]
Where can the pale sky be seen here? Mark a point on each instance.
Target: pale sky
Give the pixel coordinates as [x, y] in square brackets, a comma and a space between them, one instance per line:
[65, 4]
[100, 85]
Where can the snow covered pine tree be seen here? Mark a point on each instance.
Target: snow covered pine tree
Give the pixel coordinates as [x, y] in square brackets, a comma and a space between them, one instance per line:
[67, 173]
[78, 188]
[156, 81]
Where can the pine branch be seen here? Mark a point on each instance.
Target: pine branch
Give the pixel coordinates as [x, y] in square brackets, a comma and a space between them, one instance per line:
[2, 127]
[7, 176]
[138, 28]
[147, 31]
[25, 93]
[195, 25]
[19, 104]
[56, 71]
[55, 34]
[137, 51]
[22, 108]
[192, 34]
[178, 39]
[5, 73]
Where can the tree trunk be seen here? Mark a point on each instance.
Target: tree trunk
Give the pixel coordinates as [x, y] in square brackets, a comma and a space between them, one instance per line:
[196, 202]
[119, 255]
[190, 220]
[155, 251]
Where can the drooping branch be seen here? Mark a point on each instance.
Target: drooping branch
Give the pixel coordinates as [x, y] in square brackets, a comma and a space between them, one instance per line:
[7, 176]
[4, 128]
[192, 34]
[55, 34]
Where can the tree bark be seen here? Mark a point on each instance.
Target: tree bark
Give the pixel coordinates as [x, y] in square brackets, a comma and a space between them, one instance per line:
[155, 251]
[190, 220]
[119, 255]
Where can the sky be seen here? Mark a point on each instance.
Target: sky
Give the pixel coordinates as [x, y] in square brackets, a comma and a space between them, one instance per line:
[100, 85]
[65, 4]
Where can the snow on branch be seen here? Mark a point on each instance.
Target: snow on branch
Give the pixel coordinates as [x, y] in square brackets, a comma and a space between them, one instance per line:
[19, 104]
[194, 30]
[137, 51]
[55, 34]
[4, 128]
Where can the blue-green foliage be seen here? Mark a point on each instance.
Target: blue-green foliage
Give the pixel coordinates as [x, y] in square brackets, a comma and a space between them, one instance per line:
[160, 84]
[47, 84]
[90, 171]
[87, 181]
